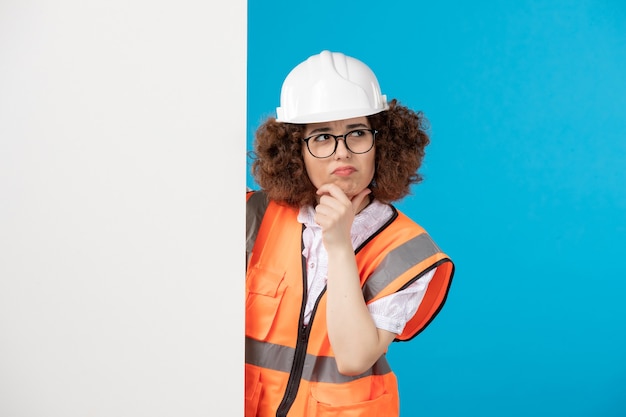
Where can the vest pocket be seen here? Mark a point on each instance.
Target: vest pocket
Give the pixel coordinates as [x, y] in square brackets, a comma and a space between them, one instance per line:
[264, 292]
[379, 407]
[382, 406]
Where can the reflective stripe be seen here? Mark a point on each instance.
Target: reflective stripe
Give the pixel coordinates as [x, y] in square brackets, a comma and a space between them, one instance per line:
[316, 368]
[269, 355]
[325, 370]
[255, 210]
[397, 262]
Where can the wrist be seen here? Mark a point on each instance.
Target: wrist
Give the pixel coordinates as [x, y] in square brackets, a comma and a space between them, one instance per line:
[340, 251]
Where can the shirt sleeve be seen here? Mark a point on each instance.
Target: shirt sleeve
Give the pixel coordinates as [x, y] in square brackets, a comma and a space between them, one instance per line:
[393, 311]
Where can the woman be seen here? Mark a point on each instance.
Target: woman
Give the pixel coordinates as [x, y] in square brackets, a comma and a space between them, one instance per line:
[334, 272]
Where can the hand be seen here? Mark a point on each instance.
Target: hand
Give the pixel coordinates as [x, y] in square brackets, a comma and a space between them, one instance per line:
[335, 214]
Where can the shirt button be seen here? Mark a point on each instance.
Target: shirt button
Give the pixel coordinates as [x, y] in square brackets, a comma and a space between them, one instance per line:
[311, 265]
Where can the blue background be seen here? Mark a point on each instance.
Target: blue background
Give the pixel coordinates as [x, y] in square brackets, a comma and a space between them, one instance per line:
[524, 187]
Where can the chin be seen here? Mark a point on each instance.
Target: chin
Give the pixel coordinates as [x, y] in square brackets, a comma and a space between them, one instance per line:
[350, 194]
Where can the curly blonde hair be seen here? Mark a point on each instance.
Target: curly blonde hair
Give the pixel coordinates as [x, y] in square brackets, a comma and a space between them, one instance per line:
[278, 166]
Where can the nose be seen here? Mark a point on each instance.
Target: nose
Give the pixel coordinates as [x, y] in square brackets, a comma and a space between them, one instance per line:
[342, 150]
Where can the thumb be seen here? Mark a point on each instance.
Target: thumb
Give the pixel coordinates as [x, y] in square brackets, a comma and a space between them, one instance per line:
[358, 199]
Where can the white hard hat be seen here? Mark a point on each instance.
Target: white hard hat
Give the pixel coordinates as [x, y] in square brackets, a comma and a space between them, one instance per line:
[329, 86]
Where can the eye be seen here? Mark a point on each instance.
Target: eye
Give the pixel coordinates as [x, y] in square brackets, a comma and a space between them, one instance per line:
[321, 138]
[357, 133]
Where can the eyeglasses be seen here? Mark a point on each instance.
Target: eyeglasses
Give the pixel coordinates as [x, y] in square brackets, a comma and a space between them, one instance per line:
[357, 141]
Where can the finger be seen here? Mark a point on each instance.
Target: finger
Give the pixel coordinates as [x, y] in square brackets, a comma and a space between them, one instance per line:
[324, 210]
[333, 190]
[333, 203]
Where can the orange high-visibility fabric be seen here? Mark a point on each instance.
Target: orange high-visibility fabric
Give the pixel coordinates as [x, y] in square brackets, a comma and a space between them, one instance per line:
[279, 346]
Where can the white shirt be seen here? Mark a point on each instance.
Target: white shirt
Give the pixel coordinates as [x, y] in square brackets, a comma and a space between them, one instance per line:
[389, 313]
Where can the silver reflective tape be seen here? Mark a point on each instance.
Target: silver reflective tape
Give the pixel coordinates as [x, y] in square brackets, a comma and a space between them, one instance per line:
[397, 262]
[269, 355]
[255, 210]
[324, 369]
[316, 368]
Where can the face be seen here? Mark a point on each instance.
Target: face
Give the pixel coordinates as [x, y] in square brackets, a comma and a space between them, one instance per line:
[351, 172]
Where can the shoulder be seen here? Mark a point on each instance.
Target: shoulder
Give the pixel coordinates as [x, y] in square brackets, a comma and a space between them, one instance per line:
[259, 205]
[420, 239]
[256, 206]
[403, 233]
[402, 223]
[256, 197]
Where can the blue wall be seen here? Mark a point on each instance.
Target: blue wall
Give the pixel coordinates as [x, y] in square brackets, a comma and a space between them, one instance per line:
[525, 187]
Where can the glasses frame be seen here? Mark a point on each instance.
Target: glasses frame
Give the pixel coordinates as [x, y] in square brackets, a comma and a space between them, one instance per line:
[337, 137]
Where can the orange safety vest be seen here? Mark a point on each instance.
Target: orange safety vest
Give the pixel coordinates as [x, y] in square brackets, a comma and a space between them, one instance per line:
[290, 367]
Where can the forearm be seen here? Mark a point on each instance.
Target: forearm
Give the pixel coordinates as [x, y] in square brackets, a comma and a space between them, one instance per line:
[355, 340]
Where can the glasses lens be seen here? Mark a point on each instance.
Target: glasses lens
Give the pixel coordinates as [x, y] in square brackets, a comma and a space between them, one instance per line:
[322, 146]
[359, 141]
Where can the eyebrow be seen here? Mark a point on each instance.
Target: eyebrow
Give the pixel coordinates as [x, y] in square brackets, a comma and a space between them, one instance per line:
[328, 129]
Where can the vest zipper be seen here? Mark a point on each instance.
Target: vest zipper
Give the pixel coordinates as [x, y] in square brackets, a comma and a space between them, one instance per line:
[293, 383]
[296, 372]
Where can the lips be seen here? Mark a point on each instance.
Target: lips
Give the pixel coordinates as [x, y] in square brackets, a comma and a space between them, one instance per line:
[344, 171]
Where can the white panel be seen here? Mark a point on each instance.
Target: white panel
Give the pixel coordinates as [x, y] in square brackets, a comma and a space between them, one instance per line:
[122, 171]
